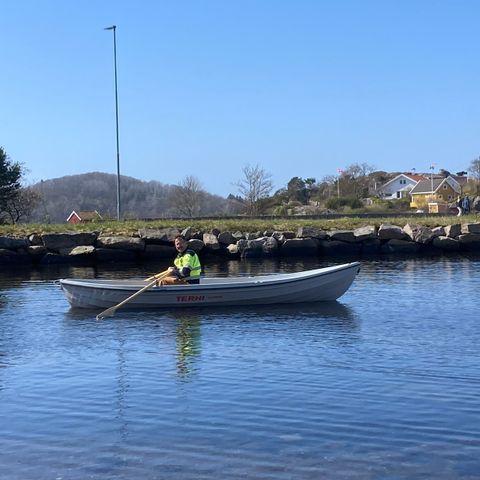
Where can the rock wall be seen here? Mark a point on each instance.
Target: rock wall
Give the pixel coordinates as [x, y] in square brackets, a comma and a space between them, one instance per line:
[93, 247]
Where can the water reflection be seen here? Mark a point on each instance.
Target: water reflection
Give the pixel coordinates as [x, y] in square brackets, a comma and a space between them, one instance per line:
[188, 342]
[290, 311]
[182, 328]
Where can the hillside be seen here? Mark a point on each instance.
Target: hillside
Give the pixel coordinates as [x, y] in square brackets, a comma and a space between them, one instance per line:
[98, 191]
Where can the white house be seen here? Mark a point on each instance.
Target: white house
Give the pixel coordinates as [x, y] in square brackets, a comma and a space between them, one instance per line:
[399, 186]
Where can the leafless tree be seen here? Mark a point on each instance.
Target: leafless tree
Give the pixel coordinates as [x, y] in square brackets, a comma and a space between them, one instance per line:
[189, 197]
[255, 185]
[474, 168]
[20, 205]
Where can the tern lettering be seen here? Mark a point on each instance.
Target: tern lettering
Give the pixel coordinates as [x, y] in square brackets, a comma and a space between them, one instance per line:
[190, 298]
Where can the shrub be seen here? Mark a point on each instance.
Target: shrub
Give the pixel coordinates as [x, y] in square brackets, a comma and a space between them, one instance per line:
[337, 203]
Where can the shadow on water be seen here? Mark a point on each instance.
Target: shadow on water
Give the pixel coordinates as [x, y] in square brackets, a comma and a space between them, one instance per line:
[294, 311]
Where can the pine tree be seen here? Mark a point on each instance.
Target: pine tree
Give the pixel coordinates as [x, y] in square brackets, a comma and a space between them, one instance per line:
[10, 176]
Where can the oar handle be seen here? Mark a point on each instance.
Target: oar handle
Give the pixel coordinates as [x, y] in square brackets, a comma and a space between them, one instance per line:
[157, 275]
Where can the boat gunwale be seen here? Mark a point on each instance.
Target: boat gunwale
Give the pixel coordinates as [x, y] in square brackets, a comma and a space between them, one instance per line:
[252, 282]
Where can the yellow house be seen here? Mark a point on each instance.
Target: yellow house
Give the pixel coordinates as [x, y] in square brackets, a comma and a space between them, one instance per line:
[435, 194]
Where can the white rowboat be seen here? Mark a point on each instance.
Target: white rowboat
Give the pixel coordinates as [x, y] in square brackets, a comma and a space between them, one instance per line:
[322, 284]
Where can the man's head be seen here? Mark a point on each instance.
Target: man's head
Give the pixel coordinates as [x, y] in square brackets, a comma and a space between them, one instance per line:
[180, 243]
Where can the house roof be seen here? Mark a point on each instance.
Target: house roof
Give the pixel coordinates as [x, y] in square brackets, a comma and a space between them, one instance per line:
[411, 176]
[88, 215]
[425, 186]
[415, 176]
[462, 180]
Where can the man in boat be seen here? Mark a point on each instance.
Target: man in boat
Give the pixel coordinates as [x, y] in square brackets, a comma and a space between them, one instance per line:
[187, 265]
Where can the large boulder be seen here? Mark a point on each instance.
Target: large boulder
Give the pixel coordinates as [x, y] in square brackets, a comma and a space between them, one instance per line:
[338, 248]
[453, 231]
[365, 233]
[238, 235]
[187, 233]
[299, 247]
[470, 228]
[211, 242]
[270, 246]
[371, 246]
[233, 250]
[121, 242]
[288, 235]
[470, 241]
[82, 250]
[13, 243]
[158, 235]
[226, 238]
[37, 251]
[196, 245]
[58, 241]
[311, 232]
[446, 243]
[419, 233]
[391, 232]
[279, 237]
[35, 239]
[438, 232]
[55, 259]
[400, 246]
[251, 248]
[342, 236]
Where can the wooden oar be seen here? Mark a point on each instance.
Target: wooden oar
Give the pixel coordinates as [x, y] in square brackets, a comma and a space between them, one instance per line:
[111, 311]
[157, 275]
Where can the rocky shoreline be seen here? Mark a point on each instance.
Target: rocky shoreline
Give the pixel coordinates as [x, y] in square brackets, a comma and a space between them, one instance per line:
[94, 247]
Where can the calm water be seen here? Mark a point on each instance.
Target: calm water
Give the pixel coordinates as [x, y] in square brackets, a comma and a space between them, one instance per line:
[384, 384]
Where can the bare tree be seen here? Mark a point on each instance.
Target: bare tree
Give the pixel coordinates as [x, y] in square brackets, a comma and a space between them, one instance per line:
[20, 205]
[255, 185]
[356, 180]
[474, 168]
[189, 197]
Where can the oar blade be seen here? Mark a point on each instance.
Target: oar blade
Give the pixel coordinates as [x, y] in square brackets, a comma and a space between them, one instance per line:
[109, 312]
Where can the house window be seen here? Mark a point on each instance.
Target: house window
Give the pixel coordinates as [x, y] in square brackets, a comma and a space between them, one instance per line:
[450, 197]
[445, 187]
[440, 197]
[403, 181]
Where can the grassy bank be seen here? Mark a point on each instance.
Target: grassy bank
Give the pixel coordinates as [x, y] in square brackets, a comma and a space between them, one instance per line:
[245, 225]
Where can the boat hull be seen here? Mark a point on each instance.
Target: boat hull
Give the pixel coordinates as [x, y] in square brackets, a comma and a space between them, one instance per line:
[324, 284]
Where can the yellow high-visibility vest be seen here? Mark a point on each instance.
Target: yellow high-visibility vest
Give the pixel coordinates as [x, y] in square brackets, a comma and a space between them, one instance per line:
[189, 259]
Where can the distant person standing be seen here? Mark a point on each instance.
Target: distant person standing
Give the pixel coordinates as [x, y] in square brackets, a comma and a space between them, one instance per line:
[466, 204]
[459, 206]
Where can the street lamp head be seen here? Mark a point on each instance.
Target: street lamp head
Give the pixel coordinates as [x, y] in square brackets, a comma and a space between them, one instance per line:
[113, 27]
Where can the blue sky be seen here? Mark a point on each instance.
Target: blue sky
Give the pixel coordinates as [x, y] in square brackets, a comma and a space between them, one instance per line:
[299, 87]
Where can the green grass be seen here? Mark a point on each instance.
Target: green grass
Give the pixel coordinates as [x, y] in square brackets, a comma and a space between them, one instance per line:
[244, 225]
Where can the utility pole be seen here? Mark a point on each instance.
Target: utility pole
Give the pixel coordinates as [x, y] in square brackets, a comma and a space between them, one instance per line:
[339, 171]
[114, 29]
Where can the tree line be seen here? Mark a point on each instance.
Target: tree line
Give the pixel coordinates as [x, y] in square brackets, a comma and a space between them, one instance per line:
[51, 201]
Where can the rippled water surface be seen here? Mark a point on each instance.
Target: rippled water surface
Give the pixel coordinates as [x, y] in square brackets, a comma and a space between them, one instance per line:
[383, 384]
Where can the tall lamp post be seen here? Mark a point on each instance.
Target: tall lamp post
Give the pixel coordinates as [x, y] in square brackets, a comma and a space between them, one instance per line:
[432, 167]
[114, 28]
[340, 173]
